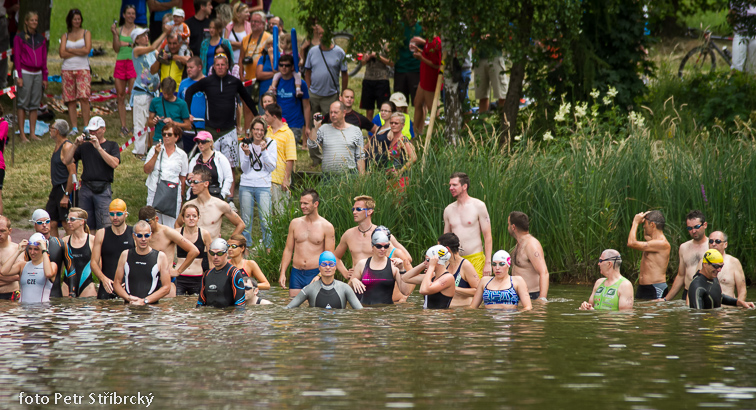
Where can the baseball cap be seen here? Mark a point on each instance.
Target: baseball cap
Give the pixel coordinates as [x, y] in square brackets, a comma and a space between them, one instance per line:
[713, 256]
[502, 256]
[203, 136]
[179, 12]
[39, 214]
[138, 31]
[96, 123]
[398, 99]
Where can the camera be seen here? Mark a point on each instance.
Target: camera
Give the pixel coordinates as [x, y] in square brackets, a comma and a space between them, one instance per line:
[248, 60]
[87, 136]
[317, 117]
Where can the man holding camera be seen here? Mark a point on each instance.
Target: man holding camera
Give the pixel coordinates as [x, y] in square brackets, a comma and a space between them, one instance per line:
[99, 159]
[171, 62]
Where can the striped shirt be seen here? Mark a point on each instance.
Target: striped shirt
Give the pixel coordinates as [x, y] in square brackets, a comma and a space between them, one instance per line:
[341, 148]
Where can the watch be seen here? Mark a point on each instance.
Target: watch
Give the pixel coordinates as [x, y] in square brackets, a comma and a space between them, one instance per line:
[146, 302]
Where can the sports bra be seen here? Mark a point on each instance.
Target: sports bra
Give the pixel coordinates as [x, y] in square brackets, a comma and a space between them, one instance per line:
[200, 244]
[458, 280]
[501, 297]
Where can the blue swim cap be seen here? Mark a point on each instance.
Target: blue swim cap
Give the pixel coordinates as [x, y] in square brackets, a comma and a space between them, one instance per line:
[327, 256]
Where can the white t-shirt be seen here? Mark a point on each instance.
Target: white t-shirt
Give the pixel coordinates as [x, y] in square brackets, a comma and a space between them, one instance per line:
[173, 166]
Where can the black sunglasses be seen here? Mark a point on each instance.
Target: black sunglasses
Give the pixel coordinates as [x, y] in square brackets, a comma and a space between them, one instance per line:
[717, 241]
[613, 258]
[379, 246]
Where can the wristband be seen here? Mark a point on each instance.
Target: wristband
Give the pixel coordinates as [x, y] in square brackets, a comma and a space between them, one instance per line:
[402, 272]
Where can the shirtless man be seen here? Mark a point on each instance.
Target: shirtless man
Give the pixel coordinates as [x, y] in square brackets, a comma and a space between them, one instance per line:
[309, 236]
[165, 239]
[652, 279]
[109, 244]
[691, 254]
[142, 276]
[8, 284]
[468, 218]
[212, 210]
[527, 258]
[731, 277]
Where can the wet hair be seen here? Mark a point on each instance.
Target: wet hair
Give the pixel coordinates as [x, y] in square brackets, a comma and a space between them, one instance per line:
[368, 200]
[204, 173]
[239, 238]
[657, 218]
[70, 17]
[147, 213]
[519, 220]
[169, 83]
[274, 110]
[313, 193]
[463, 178]
[61, 126]
[183, 210]
[696, 214]
[80, 214]
[450, 240]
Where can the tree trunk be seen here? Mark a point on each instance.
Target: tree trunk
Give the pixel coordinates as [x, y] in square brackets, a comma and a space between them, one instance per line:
[517, 77]
[43, 9]
[452, 102]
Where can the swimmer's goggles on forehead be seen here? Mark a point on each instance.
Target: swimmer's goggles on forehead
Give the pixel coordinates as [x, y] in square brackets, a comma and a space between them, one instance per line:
[690, 228]
[328, 264]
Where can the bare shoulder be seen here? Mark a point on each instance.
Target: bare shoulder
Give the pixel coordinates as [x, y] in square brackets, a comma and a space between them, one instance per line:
[450, 208]
[734, 261]
[325, 223]
[519, 280]
[479, 205]
[172, 234]
[99, 235]
[685, 246]
[296, 222]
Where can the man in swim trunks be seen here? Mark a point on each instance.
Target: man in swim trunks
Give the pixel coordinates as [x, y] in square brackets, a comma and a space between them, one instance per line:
[109, 244]
[731, 277]
[223, 284]
[527, 258]
[212, 209]
[613, 291]
[55, 247]
[166, 239]
[8, 284]
[691, 253]
[326, 293]
[704, 291]
[143, 275]
[652, 279]
[468, 218]
[308, 235]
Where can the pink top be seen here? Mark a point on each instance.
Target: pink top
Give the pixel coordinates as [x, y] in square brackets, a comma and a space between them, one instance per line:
[3, 141]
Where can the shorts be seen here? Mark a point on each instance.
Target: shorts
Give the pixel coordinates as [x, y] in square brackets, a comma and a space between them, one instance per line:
[374, 93]
[227, 143]
[650, 292]
[77, 85]
[301, 278]
[406, 83]
[478, 260]
[57, 212]
[491, 75]
[2, 178]
[124, 70]
[188, 285]
[15, 295]
[30, 94]
[534, 295]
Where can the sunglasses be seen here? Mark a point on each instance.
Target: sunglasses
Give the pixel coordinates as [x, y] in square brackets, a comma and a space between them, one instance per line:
[142, 235]
[167, 134]
[358, 209]
[499, 264]
[193, 182]
[203, 141]
[219, 253]
[328, 264]
[286, 65]
[234, 246]
[117, 213]
[690, 228]
[73, 219]
[379, 246]
[712, 241]
[609, 259]
[717, 266]
[45, 222]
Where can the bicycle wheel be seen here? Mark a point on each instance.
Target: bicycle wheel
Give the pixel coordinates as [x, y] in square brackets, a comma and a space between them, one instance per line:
[344, 39]
[700, 59]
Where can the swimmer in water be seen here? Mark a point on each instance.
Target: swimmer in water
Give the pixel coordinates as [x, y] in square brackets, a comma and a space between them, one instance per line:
[36, 276]
[374, 277]
[437, 284]
[502, 291]
[613, 292]
[251, 288]
[223, 285]
[327, 293]
[704, 291]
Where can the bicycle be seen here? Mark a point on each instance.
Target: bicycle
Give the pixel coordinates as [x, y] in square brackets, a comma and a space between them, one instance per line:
[697, 58]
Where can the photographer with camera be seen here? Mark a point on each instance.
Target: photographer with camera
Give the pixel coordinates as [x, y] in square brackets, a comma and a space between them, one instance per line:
[259, 156]
[172, 62]
[99, 159]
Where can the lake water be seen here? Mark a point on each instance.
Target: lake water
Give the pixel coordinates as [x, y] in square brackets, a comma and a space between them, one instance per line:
[659, 356]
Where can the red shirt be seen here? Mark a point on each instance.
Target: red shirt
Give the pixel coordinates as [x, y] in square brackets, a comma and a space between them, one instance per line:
[188, 6]
[428, 74]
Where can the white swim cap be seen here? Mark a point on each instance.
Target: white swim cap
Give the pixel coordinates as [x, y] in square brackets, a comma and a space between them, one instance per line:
[39, 214]
[37, 238]
[383, 229]
[502, 256]
[379, 237]
[219, 244]
[440, 252]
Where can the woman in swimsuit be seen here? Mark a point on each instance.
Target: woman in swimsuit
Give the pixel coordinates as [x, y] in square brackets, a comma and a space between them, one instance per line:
[435, 281]
[78, 281]
[465, 276]
[237, 247]
[190, 281]
[374, 278]
[502, 291]
[36, 276]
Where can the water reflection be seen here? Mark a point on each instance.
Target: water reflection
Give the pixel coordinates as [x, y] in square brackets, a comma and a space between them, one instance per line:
[655, 356]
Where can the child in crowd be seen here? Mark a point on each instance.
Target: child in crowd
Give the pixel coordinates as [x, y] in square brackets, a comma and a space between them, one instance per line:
[179, 28]
[287, 48]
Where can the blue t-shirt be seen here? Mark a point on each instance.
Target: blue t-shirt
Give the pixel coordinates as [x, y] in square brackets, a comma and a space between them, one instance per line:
[146, 82]
[176, 110]
[141, 10]
[198, 108]
[210, 57]
[268, 68]
[158, 15]
[290, 105]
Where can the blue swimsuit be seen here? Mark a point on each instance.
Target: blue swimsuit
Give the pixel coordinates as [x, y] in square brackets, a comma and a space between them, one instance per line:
[501, 297]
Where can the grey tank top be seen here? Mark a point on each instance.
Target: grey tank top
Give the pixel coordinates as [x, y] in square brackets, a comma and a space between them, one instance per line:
[34, 286]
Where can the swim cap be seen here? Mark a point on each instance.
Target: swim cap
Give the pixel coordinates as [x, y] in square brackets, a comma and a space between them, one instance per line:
[219, 244]
[502, 256]
[440, 252]
[379, 237]
[37, 238]
[713, 256]
[117, 205]
[327, 256]
[39, 214]
[383, 229]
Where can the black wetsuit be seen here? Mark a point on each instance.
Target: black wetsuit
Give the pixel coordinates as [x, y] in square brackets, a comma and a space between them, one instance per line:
[379, 285]
[112, 247]
[191, 285]
[437, 300]
[57, 254]
[141, 273]
[222, 288]
[78, 268]
[705, 293]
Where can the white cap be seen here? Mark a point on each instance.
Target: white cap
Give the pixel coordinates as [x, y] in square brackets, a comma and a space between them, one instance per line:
[398, 99]
[39, 214]
[219, 244]
[136, 32]
[379, 237]
[179, 12]
[37, 237]
[96, 123]
[440, 252]
[502, 256]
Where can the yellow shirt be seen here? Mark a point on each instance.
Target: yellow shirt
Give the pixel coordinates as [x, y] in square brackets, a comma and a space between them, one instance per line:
[287, 151]
[175, 70]
[250, 48]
